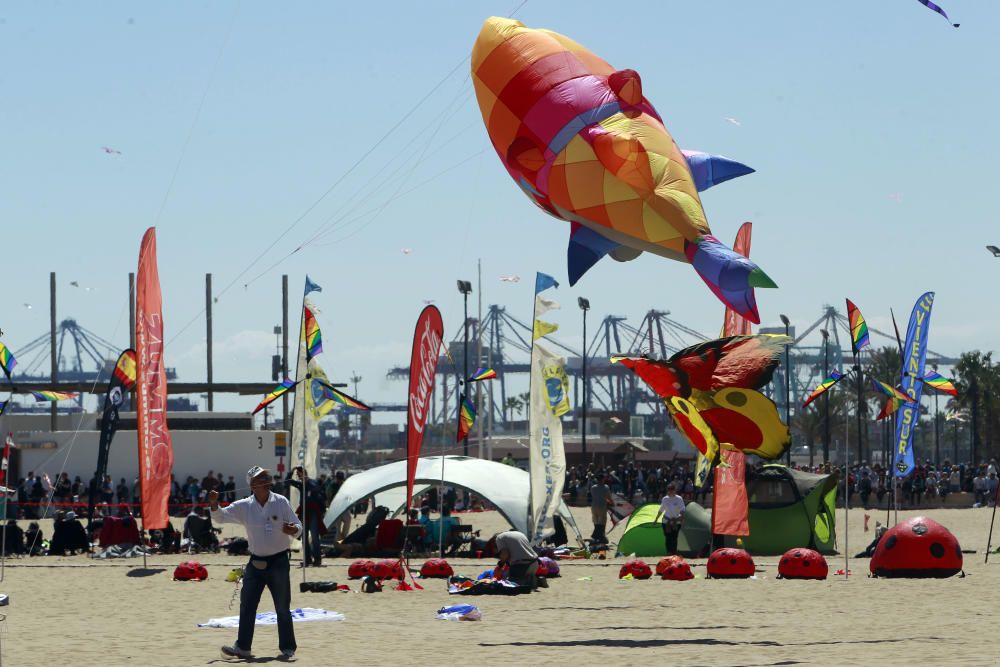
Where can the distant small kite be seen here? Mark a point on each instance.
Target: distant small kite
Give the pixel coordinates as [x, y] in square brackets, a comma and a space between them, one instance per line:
[111, 151]
[428, 302]
[406, 251]
[931, 6]
[896, 197]
[510, 279]
[734, 122]
[28, 306]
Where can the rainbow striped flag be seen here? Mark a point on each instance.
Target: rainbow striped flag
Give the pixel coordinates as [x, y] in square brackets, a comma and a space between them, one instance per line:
[483, 374]
[7, 360]
[859, 329]
[332, 393]
[466, 418]
[939, 382]
[894, 401]
[283, 388]
[314, 340]
[53, 395]
[834, 378]
[125, 369]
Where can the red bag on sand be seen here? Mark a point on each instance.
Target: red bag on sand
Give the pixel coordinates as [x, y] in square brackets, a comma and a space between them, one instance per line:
[388, 568]
[674, 568]
[361, 568]
[639, 569]
[436, 568]
[802, 564]
[190, 570]
[730, 563]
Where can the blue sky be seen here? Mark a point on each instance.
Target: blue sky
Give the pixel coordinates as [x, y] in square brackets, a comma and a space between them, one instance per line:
[871, 127]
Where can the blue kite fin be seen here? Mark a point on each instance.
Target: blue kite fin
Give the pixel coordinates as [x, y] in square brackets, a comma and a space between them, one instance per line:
[586, 247]
[708, 170]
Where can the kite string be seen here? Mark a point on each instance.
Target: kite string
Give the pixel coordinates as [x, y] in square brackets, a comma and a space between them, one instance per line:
[350, 169]
[197, 114]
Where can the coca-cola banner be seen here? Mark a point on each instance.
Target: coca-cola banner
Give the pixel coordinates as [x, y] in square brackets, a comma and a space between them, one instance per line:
[427, 339]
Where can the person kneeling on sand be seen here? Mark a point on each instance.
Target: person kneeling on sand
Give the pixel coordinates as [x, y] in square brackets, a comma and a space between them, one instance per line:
[513, 550]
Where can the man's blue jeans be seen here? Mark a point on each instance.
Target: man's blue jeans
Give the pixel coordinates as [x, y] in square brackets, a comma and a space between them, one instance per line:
[275, 578]
[312, 546]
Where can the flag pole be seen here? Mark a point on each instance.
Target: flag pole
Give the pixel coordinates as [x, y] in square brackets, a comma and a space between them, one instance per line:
[989, 540]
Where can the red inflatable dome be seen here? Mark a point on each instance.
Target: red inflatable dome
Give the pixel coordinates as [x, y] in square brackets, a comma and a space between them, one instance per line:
[802, 564]
[730, 563]
[436, 568]
[190, 570]
[389, 568]
[638, 568]
[674, 568]
[919, 547]
[360, 568]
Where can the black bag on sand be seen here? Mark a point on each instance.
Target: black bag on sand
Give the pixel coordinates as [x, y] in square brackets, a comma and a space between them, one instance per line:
[317, 586]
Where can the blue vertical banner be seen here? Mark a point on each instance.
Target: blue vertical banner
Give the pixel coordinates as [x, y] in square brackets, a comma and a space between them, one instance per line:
[914, 356]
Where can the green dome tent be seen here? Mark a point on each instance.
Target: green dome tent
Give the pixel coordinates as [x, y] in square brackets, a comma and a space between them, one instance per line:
[643, 535]
[790, 508]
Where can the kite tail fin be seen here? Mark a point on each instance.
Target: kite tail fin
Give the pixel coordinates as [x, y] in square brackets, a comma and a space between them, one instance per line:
[708, 170]
[586, 248]
[730, 276]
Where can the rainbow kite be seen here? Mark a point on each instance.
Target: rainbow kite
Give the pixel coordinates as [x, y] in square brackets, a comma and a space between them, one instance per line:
[283, 388]
[125, 369]
[7, 360]
[940, 383]
[895, 399]
[331, 393]
[466, 418]
[483, 374]
[859, 330]
[314, 340]
[834, 378]
[53, 395]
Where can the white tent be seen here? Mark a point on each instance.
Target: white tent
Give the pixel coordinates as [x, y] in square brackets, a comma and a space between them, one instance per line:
[506, 487]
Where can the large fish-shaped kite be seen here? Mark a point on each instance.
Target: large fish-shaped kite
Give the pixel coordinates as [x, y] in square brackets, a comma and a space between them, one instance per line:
[583, 143]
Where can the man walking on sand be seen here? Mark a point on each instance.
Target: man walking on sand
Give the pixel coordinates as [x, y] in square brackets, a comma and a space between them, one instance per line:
[270, 524]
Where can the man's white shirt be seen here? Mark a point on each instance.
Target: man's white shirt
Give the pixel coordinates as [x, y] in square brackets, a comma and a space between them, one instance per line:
[263, 523]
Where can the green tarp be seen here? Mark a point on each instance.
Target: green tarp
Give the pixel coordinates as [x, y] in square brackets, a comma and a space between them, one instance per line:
[790, 508]
[643, 535]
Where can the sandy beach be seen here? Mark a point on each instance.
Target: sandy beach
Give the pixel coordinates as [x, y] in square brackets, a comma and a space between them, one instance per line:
[106, 613]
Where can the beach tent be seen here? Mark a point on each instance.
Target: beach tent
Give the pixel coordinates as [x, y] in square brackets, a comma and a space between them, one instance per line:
[506, 487]
[643, 535]
[790, 508]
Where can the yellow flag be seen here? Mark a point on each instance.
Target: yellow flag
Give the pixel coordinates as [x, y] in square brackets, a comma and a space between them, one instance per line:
[543, 329]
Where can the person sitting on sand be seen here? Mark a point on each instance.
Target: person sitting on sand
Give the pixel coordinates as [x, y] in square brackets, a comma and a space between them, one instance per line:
[14, 538]
[33, 539]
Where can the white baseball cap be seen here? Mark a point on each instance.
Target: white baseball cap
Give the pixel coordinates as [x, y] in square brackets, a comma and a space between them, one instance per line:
[254, 472]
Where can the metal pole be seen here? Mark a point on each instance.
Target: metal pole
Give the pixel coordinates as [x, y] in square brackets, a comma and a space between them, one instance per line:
[826, 398]
[989, 540]
[208, 336]
[847, 497]
[284, 348]
[479, 356]
[937, 433]
[54, 356]
[465, 364]
[583, 425]
[788, 396]
[131, 331]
